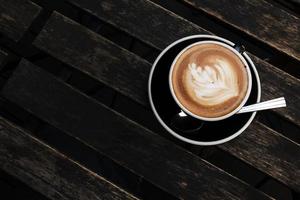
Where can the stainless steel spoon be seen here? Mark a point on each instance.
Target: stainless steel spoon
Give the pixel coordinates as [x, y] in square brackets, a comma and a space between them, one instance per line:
[274, 103]
[265, 105]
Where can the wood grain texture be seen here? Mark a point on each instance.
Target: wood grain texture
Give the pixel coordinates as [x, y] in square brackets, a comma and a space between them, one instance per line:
[271, 77]
[141, 17]
[103, 60]
[259, 19]
[16, 16]
[49, 172]
[176, 171]
[276, 83]
[96, 56]
[274, 154]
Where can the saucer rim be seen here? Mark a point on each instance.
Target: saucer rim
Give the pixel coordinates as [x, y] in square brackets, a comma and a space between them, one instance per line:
[216, 142]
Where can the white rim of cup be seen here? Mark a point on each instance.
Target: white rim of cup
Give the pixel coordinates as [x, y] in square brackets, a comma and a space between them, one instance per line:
[184, 138]
[249, 87]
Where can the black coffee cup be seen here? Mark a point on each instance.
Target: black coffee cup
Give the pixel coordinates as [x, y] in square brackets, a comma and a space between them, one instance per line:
[172, 116]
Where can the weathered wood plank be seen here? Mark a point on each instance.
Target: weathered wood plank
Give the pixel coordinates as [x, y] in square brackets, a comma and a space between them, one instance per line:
[270, 151]
[182, 174]
[136, 16]
[276, 83]
[261, 20]
[101, 59]
[62, 43]
[16, 16]
[48, 171]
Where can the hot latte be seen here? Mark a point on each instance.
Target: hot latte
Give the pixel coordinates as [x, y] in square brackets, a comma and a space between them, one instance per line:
[209, 80]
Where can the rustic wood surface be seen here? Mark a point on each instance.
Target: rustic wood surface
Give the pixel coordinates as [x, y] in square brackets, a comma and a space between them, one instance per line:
[169, 35]
[16, 16]
[260, 19]
[57, 43]
[181, 173]
[48, 171]
[142, 18]
[277, 83]
[268, 151]
[96, 56]
[105, 50]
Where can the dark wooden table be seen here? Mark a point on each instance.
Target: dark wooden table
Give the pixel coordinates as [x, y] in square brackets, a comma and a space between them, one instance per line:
[75, 117]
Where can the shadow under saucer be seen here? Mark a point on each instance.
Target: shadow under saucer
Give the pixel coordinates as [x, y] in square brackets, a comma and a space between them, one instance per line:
[165, 107]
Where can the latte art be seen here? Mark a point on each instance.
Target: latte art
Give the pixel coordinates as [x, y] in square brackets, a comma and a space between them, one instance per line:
[209, 80]
[213, 84]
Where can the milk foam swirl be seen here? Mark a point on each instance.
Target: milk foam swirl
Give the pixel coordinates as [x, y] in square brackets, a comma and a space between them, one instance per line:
[213, 84]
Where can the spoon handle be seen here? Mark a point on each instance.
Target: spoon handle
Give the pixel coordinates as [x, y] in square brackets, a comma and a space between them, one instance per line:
[274, 103]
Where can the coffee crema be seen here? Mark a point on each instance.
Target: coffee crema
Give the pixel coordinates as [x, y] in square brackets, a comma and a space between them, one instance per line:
[209, 80]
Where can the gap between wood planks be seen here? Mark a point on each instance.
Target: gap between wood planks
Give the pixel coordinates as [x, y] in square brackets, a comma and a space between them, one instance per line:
[209, 23]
